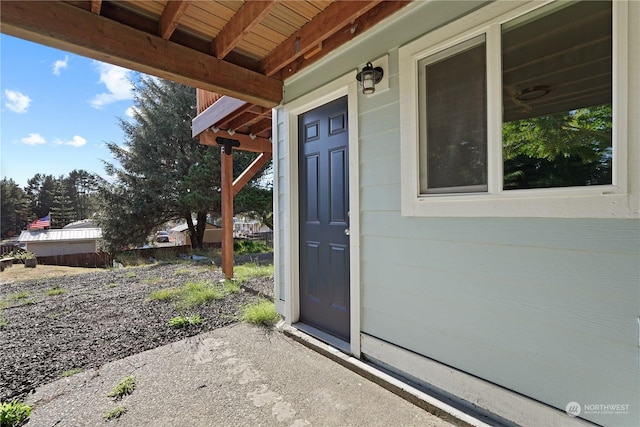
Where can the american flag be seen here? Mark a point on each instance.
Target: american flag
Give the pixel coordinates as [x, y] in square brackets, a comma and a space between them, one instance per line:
[41, 223]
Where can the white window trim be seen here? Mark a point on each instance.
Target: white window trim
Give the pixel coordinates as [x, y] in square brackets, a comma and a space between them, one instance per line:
[618, 200]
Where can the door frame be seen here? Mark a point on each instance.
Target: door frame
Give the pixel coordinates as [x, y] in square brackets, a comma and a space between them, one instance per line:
[345, 85]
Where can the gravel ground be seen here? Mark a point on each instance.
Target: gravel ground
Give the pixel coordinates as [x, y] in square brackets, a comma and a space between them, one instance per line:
[100, 317]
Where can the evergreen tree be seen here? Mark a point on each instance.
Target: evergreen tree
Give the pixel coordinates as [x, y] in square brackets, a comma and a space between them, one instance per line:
[162, 173]
[14, 211]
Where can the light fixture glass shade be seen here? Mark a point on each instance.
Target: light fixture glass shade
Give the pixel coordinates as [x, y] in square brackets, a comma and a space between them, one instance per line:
[369, 77]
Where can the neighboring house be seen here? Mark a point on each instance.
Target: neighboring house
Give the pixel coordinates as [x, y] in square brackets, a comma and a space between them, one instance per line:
[243, 227]
[180, 234]
[524, 302]
[63, 241]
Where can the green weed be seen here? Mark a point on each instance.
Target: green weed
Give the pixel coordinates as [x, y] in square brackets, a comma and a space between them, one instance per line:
[195, 294]
[182, 321]
[130, 274]
[260, 313]
[113, 285]
[245, 272]
[14, 413]
[164, 294]
[20, 295]
[231, 286]
[70, 372]
[242, 247]
[124, 388]
[3, 320]
[56, 290]
[115, 413]
[182, 271]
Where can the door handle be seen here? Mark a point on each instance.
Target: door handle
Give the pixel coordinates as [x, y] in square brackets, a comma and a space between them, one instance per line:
[347, 231]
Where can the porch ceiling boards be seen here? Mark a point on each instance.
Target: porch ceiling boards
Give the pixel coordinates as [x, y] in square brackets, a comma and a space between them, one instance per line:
[243, 49]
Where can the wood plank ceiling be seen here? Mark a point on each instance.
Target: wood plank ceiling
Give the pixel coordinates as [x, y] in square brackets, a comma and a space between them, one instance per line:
[242, 49]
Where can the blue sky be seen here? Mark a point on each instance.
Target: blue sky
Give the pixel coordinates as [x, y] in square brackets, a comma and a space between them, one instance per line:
[57, 110]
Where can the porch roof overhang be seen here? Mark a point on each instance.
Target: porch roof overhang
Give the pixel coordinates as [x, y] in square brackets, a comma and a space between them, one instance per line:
[241, 49]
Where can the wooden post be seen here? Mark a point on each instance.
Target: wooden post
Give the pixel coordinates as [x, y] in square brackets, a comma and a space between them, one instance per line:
[227, 213]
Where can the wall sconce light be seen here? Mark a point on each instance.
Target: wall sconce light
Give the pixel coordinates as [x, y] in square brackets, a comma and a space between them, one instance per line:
[369, 77]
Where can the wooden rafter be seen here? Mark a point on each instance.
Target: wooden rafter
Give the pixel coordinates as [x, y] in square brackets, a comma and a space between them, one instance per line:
[262, 126]
[171, 15]
[249, 15]
[324, 25]
[241, 120]
[92, 35]
[351, 30]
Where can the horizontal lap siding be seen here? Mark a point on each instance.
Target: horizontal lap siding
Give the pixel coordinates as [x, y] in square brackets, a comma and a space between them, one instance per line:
[545, 307]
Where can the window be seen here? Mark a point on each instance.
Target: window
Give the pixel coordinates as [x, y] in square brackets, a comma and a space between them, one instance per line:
[516, 117]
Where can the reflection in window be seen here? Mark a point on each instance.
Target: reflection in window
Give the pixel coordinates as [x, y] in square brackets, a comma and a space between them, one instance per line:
[557, 68]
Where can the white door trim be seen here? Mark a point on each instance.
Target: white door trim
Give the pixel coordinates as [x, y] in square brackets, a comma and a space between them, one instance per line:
[345, 85]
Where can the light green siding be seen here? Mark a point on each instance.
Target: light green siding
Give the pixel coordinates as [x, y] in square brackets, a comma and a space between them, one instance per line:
[545, 307]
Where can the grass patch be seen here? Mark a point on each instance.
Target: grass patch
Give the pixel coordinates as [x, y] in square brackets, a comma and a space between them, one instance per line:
[182, 271]
[14, 413]
[3, 320]
[124, 388]
[130, 274]
[56, 290]
[152, 280]
[113, 285]
[115, 413]
[20, 295]
[164, 294]
[196, 294]
[183, 321]
[231, 286]
[70, 372]
[260, 313]
[245, 272]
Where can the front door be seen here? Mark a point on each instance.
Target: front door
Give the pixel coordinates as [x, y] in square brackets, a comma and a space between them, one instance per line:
[323, 140]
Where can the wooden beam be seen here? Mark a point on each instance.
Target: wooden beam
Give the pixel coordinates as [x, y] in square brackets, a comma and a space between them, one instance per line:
[248, 16]
[214, 113]
[250, 172]
[324, 25]
[96, 5]
[73, 29]
[263, 125]
[241, 120]
[351, 30]
[171, 15]
[227, 213]
[255, 145]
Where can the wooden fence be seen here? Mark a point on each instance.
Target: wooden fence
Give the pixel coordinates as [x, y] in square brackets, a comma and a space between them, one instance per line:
[89, 260]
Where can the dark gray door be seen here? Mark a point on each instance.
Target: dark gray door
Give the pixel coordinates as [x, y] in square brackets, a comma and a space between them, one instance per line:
[324, 218]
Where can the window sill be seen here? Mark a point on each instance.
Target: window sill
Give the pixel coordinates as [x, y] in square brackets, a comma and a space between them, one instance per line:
[601, 202]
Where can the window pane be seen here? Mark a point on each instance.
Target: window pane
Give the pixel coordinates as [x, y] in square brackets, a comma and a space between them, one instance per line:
[557, 68]
[454, 120]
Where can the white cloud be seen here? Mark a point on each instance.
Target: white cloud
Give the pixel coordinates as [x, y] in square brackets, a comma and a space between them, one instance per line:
[77, 141]
[33, 139]
[118, 83]
[130, 111]
[16, 101]
[60, 65]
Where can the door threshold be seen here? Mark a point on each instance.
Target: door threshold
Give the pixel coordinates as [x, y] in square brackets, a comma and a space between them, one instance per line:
[331, 340]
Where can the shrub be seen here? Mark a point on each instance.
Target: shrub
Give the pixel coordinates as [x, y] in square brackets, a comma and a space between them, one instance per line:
[14, 413]
[243, 247]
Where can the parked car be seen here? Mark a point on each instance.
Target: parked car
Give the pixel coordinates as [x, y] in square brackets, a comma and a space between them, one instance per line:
[162, 237]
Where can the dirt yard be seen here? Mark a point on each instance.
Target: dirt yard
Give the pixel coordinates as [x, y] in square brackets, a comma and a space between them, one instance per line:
[52, 326]
[18, 272]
